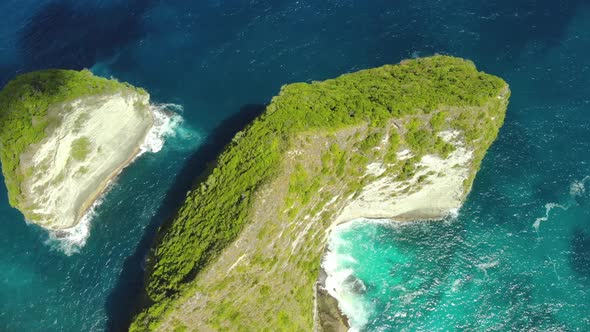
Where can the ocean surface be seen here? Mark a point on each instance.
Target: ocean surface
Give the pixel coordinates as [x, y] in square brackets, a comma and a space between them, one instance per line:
[516, 257]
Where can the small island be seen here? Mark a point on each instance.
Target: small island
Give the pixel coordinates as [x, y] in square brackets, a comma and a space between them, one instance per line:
[65, 135]
[402, 142]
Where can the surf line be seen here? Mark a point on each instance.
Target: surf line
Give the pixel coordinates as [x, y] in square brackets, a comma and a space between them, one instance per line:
[166, 121]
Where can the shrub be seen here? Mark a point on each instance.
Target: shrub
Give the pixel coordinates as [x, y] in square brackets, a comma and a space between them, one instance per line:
[80, 148]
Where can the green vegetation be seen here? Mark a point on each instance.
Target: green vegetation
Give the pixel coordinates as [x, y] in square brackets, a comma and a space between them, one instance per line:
[413, 92]
[26, 117]
[423, 139]
[81, 148]
[82, 170]
[80, 121]
[391, 153]
[371, 141]
[438, 120]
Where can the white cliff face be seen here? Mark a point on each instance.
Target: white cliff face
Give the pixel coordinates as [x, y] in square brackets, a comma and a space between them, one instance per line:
[437, 189]
[93, 139]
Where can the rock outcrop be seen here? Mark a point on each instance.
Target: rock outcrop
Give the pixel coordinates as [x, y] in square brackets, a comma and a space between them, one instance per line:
[79, 132]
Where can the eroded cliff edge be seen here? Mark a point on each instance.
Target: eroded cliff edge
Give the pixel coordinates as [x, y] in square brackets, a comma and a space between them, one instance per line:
[400, 142]
[65, 134]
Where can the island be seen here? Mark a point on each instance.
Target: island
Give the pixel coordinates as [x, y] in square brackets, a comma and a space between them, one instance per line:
[402, 142]
[65, 135]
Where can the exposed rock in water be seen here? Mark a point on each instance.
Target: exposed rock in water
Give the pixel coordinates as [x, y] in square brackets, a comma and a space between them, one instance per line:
[355, 285]
[328, 316]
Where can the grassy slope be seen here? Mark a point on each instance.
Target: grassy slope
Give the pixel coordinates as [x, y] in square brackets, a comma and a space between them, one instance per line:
[217, 210]
[24, 120]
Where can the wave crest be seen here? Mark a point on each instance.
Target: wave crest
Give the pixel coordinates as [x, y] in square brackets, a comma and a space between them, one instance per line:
[342, 283]
[71, 240]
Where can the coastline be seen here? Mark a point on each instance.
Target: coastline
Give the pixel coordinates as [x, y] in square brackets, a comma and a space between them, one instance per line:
[152, 141]
[139, 150]
[328, 313]
[435, 190]
[372, 206]
[96, 138]
[104, 185]
[72, 238]
[448, 183]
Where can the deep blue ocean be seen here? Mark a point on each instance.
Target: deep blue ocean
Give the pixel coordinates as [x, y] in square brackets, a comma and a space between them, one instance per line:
[517, 257]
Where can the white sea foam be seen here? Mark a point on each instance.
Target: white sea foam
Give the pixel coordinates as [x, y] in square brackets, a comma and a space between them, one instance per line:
[71, 240]
[487, 265]
[577, 189]
[166, 122]
[453, 214]
[341, 282]
[548, 208]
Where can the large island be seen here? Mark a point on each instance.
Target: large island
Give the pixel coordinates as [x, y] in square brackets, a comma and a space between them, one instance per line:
[402, 142]
[64, 135]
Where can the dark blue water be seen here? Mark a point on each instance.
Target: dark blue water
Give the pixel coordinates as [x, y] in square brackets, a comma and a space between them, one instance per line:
[218, 57]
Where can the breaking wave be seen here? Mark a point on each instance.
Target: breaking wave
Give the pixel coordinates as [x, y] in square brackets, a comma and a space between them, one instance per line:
[341, 282]
[71, 240]
[340, 266]
[166, 122]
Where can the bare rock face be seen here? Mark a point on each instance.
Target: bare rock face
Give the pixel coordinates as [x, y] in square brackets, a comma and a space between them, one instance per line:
[93, 138]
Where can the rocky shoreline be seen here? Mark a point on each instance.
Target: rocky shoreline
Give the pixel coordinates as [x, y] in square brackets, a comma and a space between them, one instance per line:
[328, 316]
[97, 137]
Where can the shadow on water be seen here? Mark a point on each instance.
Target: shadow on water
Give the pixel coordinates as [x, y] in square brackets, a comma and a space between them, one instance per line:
[122, 303]
[580, 252]
[6, 73]
[69, 35]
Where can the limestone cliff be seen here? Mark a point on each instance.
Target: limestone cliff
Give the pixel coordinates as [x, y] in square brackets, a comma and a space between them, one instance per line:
[65, 135]
[400, 142]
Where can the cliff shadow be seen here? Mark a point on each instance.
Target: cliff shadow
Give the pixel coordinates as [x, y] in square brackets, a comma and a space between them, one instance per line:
[66, 34]
[125, 301]
[6, 74]
[579, 256]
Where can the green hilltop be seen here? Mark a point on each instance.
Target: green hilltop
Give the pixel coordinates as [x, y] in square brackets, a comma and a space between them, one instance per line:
[424, 96]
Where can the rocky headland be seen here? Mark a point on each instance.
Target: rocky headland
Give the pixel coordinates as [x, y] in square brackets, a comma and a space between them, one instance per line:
[65, 135]
[401, 142]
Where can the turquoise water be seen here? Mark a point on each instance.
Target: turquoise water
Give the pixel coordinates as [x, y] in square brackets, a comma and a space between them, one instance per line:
[489, 268]
[517, 257]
